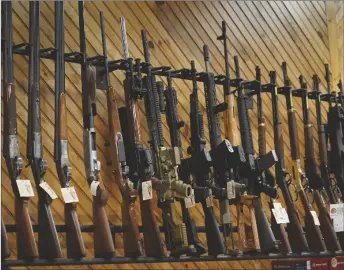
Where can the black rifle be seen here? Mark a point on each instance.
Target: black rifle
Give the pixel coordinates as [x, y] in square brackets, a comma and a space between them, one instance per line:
[174, 125]
[296, 235]
[255, 167]
[166, 161]
[75, 243]
[26, 243]
[313, 233]
[199, 166]
[225, 158]
[48, 242]
[103, 242]
[315, 181]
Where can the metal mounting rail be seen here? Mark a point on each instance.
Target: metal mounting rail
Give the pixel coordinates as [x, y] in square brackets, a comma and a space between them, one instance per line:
[126, 260]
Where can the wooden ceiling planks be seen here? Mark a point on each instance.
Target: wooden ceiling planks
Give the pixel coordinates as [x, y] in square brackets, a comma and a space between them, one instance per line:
[261, 33]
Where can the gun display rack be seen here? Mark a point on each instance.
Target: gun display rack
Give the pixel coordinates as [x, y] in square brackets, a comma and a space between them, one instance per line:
[164, 71]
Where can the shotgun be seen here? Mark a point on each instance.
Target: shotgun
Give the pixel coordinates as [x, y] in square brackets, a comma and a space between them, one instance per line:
[26, 243]
[140, 159]
[75, 243]
[314, 236]
[296, 235]
[103, 242]
[48, 241]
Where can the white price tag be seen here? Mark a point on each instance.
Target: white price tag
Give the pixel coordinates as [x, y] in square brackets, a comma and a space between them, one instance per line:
[209, 200]
[25, 188]
[69, 195]
[315, 217]
[280, 214]
[337, 210]
[338, 224]
[231, 190]
[48, 190]
[94, 185]
[190, 201]
[147, 193]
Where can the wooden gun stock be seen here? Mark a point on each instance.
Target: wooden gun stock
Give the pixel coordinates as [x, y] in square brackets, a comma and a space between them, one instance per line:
[244, 241]
[154, 245]
[231, 127]
[103, 243]
[281, 234]
[261, 137]
[5, 249]
[75, 243]
[293, 134]
[26, 243]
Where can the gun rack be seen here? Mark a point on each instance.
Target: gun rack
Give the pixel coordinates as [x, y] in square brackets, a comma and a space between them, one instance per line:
[164, 71]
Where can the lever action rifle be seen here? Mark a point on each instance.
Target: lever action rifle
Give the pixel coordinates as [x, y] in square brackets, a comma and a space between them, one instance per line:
[199, 166]
[296, 235]
[313, 233]
[48, 242]
[225, 158]
[314, 179]
[166, 162]
[330, 187]
[277, 229]
[26, 243]
[335, 135]
[103, 242]
[75, 242]
[132, 241]
[174, 125]
[139, 158]
[255, 168]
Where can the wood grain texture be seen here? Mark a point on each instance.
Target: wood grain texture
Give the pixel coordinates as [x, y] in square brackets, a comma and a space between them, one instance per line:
[260, 33]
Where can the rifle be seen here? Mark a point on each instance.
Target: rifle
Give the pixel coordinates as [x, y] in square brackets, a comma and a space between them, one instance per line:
[324, 168]
[26, 243]
[225, 158]
[278, 229]
[75, 242]
[199, 164]
[335, 135]
[296, 235]
[174, 125]
[315, 181]
[132, 241]
[313, 233]
[103, 242]
[48, 242]
[139, 158]
[5, 249]
[254, 168]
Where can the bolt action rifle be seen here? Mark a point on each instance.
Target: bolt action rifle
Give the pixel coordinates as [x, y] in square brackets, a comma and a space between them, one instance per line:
[278, 229]
[103, 242]
[225, 157]
[254, 169]
[166, 161]
[75, 242]
[26, 243]
[296, 235]
[315, 181]
[48, 242]
[140, 159]
[314, 236]
[174, 125]
[132, 241]
[335, 135]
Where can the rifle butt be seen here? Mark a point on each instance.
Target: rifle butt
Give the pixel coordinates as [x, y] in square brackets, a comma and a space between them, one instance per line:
[267, 238]
[314, 236]
[154, 245]
[133, 244]
[281, 235]
[26, 243]
[103, 242]
[330, 236]
[5, 249]
[254, 227]
[213, 235]
[75, 243]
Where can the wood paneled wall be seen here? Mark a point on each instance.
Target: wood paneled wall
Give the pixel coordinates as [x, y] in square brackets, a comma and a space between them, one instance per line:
[340, 33]
[261, 33]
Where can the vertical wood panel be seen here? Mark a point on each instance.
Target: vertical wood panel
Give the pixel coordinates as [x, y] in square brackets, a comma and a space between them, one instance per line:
[261, 33]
